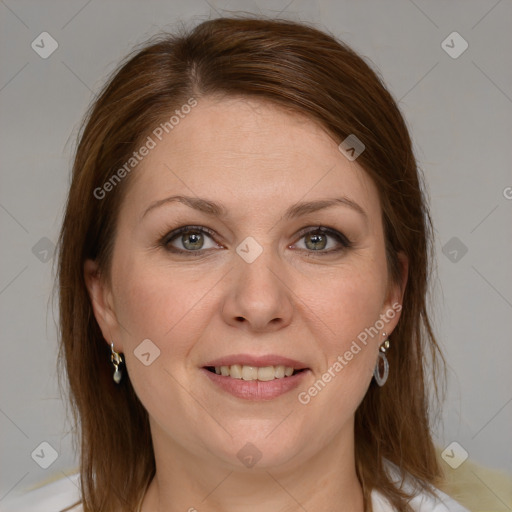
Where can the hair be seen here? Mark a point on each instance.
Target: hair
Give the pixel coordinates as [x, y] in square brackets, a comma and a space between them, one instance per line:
[303, 70]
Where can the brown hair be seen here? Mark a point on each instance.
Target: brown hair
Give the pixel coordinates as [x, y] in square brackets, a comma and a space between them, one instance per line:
[303, 70]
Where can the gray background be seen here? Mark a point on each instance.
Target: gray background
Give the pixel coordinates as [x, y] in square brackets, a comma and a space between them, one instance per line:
[460, 114]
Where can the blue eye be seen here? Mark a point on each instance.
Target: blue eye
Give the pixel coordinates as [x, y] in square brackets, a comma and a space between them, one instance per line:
[192, 240]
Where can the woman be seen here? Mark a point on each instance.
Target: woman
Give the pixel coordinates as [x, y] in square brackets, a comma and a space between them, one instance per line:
[243, 269]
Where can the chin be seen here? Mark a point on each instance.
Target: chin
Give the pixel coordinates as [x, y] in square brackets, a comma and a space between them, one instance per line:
[259, 451]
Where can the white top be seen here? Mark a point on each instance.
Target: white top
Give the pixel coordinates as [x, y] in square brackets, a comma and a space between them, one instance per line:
[61, 494]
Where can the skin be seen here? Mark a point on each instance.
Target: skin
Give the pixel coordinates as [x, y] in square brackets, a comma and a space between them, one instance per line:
[293, 301]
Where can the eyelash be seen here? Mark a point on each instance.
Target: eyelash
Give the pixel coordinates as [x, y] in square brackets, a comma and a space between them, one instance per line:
[169, 237]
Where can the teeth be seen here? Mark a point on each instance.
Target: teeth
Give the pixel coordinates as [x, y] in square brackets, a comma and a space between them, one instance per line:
[249, 372]
[279, 372]
[234, 371]
[265, 373]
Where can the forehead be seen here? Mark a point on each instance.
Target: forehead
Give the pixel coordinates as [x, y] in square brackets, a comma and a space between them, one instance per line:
[249, 152]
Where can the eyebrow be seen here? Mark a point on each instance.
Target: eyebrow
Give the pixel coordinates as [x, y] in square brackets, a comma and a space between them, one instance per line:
[219, 210]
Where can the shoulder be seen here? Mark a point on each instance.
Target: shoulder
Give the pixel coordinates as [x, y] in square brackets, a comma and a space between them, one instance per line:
[437, 501]
[54, 497]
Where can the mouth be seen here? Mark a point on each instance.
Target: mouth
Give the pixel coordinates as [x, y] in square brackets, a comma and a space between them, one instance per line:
[255, 377]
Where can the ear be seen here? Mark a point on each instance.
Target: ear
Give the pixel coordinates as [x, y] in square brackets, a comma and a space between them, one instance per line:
[102, 304]
[403, 262]
[393, 304]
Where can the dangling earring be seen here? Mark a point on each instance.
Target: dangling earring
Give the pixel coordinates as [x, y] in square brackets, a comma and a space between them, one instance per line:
[381, 379]
[116, 359]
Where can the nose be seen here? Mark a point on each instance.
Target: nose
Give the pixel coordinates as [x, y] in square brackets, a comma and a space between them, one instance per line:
[258, 297]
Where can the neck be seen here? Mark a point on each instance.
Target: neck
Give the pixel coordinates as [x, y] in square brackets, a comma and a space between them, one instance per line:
[187, 482]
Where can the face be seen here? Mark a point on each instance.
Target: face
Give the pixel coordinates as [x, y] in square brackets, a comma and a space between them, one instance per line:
[264, 282]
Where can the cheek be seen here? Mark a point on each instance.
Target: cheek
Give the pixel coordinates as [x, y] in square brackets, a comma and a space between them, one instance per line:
[351, 302]
[138, 290]
[154, 305]
[169, 306]
[165, 308]
[349, 307]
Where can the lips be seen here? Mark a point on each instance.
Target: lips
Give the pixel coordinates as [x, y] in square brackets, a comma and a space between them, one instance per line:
[255, 377]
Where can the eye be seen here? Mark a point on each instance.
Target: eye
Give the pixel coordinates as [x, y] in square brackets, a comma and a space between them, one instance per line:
[189, 239]
[192, 239]
[317, 240]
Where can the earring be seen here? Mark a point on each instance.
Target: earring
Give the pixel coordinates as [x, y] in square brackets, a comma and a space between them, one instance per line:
[116, 359]
[381, 379]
